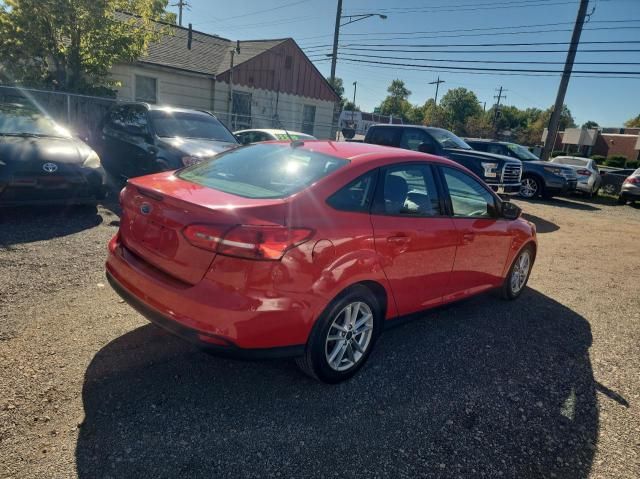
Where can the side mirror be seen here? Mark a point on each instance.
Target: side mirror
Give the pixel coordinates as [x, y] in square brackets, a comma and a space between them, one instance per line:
[427, 148]
[510, 211]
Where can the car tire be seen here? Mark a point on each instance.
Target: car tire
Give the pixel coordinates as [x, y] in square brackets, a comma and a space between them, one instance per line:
[622, 200]
[515, 282]
[327, 355]
[531, 187]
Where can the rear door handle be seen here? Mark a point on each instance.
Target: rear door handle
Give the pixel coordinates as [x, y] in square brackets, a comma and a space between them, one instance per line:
[468, 237]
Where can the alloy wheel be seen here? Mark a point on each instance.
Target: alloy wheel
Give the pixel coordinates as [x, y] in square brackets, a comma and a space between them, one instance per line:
[349, 336]
[528, 188]
[609, 189]
[520, 271]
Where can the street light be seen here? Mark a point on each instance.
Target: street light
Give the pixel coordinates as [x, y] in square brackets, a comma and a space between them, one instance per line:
[336, 33]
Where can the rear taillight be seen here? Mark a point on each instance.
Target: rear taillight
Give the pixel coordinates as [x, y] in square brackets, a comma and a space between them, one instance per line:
[632, 180]
[262, 242]
[204, 236]
[253, 242]
[584, 172]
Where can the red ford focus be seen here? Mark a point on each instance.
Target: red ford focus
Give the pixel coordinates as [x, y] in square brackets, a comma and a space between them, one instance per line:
[310, 249]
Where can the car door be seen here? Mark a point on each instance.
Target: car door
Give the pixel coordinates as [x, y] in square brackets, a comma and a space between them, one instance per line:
[484, 239]
[139, 151]
[416, 241]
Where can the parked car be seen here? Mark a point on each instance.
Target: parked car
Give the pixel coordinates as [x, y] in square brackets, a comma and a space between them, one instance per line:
[612, 180]
[310, 250]
[138, 138]
[630, 190]
[586, 169]
[42, 163]
[539, 178]
[501, 173]
[246, 137]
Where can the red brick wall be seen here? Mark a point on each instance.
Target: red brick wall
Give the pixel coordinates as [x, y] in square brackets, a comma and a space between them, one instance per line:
[609, 145]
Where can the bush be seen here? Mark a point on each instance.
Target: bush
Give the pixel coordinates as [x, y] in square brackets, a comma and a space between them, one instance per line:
[555, 153]
[633, 164]
[616, 161]
[599, 159]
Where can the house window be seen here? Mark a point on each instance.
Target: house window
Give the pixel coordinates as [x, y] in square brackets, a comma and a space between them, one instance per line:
[146, 89]
[308, 119]
[241, 110]
[288, 62]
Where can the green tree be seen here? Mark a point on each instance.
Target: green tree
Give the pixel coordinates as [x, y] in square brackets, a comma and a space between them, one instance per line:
[633, 122]
[434, 115]
[479, 126]
[396, 103]
[459, 105]
[590, 124]
[71, 44]
[350, 106]
[415, 114]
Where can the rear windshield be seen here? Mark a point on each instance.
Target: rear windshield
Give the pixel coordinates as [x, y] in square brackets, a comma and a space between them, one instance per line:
[262, 170]
[570, 161]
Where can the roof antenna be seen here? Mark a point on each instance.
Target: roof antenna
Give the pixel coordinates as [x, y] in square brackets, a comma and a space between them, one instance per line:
[293, 143]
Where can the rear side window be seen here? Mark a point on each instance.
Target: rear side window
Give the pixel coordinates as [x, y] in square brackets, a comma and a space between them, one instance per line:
[263, 170]
[383, 136]
[356, 196]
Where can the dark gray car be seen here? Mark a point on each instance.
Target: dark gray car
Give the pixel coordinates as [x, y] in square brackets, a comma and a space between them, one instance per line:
[539, 178]
[136, 139]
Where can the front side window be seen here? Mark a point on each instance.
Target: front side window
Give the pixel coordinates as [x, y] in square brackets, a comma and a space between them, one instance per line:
[408, 190]
[468, 197]
[383, 136]
[356, 196]
[263, 170]
[521, 152]
[146, 89]
[497, 149]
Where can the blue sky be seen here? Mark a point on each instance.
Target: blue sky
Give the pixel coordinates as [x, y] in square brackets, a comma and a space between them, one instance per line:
[608, 101]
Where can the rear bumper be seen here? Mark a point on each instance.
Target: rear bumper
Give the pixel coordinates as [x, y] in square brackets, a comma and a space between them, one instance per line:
[197, 337]
[235, 321]
[630, 192]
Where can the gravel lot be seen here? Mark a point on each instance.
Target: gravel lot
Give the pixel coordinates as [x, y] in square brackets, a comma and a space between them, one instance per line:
[548, 386]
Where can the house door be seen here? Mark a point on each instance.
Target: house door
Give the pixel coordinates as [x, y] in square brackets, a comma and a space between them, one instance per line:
[308, 119]
[241, 111]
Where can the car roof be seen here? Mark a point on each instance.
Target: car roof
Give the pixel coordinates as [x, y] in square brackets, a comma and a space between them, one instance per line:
[486, 140]
[155, 107]
[364, 152]
[274, 131]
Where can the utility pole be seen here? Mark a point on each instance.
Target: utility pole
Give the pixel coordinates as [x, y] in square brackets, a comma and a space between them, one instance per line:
[182, 4]
[353, 110]
[496, 113]
[336, 35]
[437, 84]
[554, 121]
[230, 93]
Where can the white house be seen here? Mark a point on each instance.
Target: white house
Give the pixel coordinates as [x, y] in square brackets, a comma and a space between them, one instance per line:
[273, 83]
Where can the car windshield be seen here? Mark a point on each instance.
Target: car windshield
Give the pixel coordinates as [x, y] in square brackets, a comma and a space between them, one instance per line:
[564, 160]
[170, 124]
[521, 152]
[448, 139]
[263, 170]
[20, 121]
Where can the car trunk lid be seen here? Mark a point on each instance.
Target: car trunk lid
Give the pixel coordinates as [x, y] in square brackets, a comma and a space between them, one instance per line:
[157, 208]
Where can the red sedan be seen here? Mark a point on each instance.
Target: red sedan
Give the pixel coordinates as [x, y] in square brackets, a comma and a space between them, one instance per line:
[309, 249]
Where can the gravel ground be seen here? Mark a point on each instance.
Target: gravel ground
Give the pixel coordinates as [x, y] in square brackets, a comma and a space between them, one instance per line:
[548, 386]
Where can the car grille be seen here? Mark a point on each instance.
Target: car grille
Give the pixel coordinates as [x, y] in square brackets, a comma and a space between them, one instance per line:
[511, 173]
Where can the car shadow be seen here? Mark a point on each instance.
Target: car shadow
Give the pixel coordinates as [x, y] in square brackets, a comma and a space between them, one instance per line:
[542, 225]
[478, 389]
[26, 224]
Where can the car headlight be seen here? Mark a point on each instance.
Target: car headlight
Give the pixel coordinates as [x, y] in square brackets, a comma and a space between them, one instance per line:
[92, 161]
[191, 160]
[553, 170]
[490, 170]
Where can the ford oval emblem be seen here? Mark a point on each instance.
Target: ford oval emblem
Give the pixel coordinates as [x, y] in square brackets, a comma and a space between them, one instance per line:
[145, 208]
[50, 167]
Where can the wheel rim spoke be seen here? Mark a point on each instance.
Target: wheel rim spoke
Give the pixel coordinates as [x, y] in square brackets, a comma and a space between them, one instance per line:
[349, 336]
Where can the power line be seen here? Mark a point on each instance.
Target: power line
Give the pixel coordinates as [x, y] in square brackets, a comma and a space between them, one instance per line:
[363, 64]
[473, 7]
[585, 50]
[256, 12]
[500, 27]
[521, 70]
[491, 61]
[454, 45]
